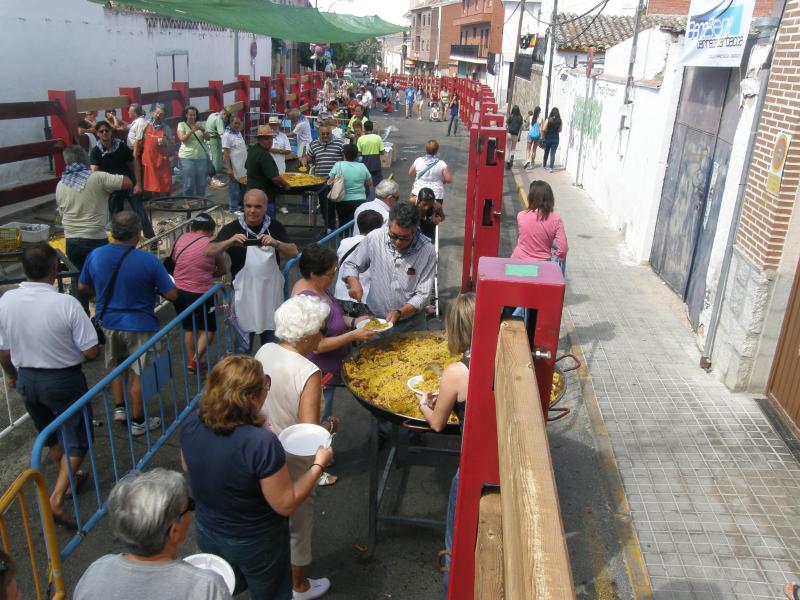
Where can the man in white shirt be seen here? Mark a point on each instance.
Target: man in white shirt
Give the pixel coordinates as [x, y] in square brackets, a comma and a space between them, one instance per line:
[42, 358]
[281, 148]
[367, 221]
[387, 193]
[366, 100]
[302, 131]
[138, 124]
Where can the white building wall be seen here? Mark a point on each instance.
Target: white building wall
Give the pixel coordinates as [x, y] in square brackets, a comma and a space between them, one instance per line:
[622, 171]
[77, 45]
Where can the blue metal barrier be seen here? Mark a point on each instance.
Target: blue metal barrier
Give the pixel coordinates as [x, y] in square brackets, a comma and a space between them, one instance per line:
[332, 240]
[165, 378]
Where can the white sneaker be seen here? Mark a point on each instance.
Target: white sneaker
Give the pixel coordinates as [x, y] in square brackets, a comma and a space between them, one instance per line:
[120, 416]
[319, 587]
[284, 210]
[138, 429]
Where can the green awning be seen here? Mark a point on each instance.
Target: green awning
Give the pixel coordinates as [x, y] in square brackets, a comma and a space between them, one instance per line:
[294, 23]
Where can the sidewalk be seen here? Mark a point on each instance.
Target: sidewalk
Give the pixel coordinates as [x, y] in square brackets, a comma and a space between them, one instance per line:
[712, 488]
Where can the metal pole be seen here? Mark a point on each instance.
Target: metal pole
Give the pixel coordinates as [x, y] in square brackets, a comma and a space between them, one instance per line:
[235, 54]
[578, 181]
[631, 62]
[510, 94]
[553, 30]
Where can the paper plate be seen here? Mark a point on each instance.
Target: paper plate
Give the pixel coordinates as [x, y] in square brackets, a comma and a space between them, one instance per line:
[304, 439]
[212, 562]
[361, 324]
[413, 382]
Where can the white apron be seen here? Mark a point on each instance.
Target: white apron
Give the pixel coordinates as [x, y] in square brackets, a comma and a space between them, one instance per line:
[258, 290]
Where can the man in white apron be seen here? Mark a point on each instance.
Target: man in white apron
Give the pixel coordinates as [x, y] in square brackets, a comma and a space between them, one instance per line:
[255, 244]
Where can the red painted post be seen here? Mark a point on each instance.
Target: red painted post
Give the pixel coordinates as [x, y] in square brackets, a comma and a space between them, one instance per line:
[280, 93]
[216, 100]
[64, 124]
[497, 288]
[243, 96]
[134, 95]
[265, 95]
[182, 87]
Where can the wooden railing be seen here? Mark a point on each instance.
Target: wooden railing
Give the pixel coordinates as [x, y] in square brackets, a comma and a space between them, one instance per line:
[521, 550]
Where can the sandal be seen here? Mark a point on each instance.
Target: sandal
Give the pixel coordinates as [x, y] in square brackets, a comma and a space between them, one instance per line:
[80, 478]
[792, 591]
[65, 521]
[327, 479]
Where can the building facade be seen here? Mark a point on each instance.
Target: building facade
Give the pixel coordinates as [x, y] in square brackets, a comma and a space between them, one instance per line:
[480, 38]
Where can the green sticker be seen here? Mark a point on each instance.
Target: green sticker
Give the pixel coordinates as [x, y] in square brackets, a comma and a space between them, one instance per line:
[522, 270]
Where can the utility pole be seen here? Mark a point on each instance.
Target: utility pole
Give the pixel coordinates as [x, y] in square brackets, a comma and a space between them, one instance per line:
[553, 30]
[510, 94]
[631, 62]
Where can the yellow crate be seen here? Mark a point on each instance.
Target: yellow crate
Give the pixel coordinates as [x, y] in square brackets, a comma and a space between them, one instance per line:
[10, 239]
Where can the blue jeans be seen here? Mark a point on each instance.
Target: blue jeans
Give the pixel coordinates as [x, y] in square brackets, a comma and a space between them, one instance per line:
[77, 251]
[327, 397]
[550, 147]
[235, 195]
[260, 563]
[449, 526]
[116, 203]
[453, 123]
[193, 176]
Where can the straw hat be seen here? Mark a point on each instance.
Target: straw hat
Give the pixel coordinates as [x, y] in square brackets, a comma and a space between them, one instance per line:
[274, 120]
[264, 131]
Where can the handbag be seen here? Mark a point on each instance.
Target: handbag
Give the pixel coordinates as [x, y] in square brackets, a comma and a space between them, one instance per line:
[210, 168]
[169, 262]
[97, 320]
[337, 191]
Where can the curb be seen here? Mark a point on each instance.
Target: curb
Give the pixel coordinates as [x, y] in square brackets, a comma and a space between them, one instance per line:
[623, 521]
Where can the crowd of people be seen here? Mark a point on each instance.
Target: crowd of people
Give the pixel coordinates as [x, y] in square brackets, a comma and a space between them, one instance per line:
[261, 521]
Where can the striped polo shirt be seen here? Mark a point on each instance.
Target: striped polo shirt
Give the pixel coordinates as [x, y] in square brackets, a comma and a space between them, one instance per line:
[324, 156]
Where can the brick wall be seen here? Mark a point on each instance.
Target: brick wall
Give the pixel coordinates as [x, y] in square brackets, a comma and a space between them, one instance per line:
[448, 33]
[681, 7]
[765, 218]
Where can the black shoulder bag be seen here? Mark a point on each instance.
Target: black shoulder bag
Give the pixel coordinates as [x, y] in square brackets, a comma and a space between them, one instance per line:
[97, 320]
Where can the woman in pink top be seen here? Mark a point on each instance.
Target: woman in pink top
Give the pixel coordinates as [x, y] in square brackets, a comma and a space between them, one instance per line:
[539, 227]
[194, 275]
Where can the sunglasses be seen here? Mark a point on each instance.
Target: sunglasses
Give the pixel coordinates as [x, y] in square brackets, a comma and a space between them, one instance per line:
[399, 238]
[102, 131]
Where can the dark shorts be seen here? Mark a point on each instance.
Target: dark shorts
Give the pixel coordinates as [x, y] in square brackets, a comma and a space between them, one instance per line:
[49, 392]
[202, 318]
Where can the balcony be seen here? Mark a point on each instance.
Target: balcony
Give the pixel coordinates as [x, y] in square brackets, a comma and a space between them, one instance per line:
[469, 53]
[473, 19]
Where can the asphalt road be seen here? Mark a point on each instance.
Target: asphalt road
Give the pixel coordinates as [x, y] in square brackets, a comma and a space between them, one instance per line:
[403, 565]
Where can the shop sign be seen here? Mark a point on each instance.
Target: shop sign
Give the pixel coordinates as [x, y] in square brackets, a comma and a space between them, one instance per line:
[716, 33]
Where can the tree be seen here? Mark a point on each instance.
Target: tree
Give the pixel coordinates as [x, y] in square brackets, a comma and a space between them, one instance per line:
[365, 52]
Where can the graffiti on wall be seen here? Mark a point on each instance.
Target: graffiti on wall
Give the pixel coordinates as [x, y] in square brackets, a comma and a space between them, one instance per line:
[586, 121]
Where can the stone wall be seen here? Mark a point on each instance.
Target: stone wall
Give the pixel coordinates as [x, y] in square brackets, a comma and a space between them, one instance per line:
[747, 298]
[527, 93]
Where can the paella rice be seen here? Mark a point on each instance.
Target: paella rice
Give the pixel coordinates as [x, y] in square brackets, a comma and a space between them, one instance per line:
[379, 373]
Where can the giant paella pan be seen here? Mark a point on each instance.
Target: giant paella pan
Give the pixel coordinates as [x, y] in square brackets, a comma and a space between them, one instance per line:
[376, 373]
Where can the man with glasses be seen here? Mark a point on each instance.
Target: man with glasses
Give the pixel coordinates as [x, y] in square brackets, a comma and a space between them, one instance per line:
[111, 155]
[151, 517]
[323, 153]
[402, 266]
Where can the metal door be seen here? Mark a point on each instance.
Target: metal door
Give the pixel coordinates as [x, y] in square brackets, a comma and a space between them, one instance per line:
[784, 379]
[682, 212]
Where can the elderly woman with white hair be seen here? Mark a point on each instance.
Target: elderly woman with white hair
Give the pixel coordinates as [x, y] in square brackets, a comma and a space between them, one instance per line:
[295, 397]
[150, 515]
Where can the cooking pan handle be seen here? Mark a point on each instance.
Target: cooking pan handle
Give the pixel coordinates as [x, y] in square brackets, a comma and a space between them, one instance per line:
[577, 364]
[408, 425]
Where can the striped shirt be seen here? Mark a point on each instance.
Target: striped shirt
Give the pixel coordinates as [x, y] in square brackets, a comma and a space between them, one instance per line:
[396, 278]
[324, 156]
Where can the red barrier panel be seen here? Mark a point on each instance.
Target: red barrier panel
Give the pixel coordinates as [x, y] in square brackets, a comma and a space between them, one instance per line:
[216, 97]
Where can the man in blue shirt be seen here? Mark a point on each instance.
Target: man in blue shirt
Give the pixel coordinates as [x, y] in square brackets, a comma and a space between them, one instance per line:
[128, 315]
[411, 93]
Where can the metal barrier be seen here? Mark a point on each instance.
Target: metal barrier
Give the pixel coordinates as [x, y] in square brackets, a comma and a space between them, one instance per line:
[13, 500]
[291, 271]
[164, 371]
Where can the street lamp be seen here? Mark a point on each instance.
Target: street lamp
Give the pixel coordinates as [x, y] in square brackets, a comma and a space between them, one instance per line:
[334, 3]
